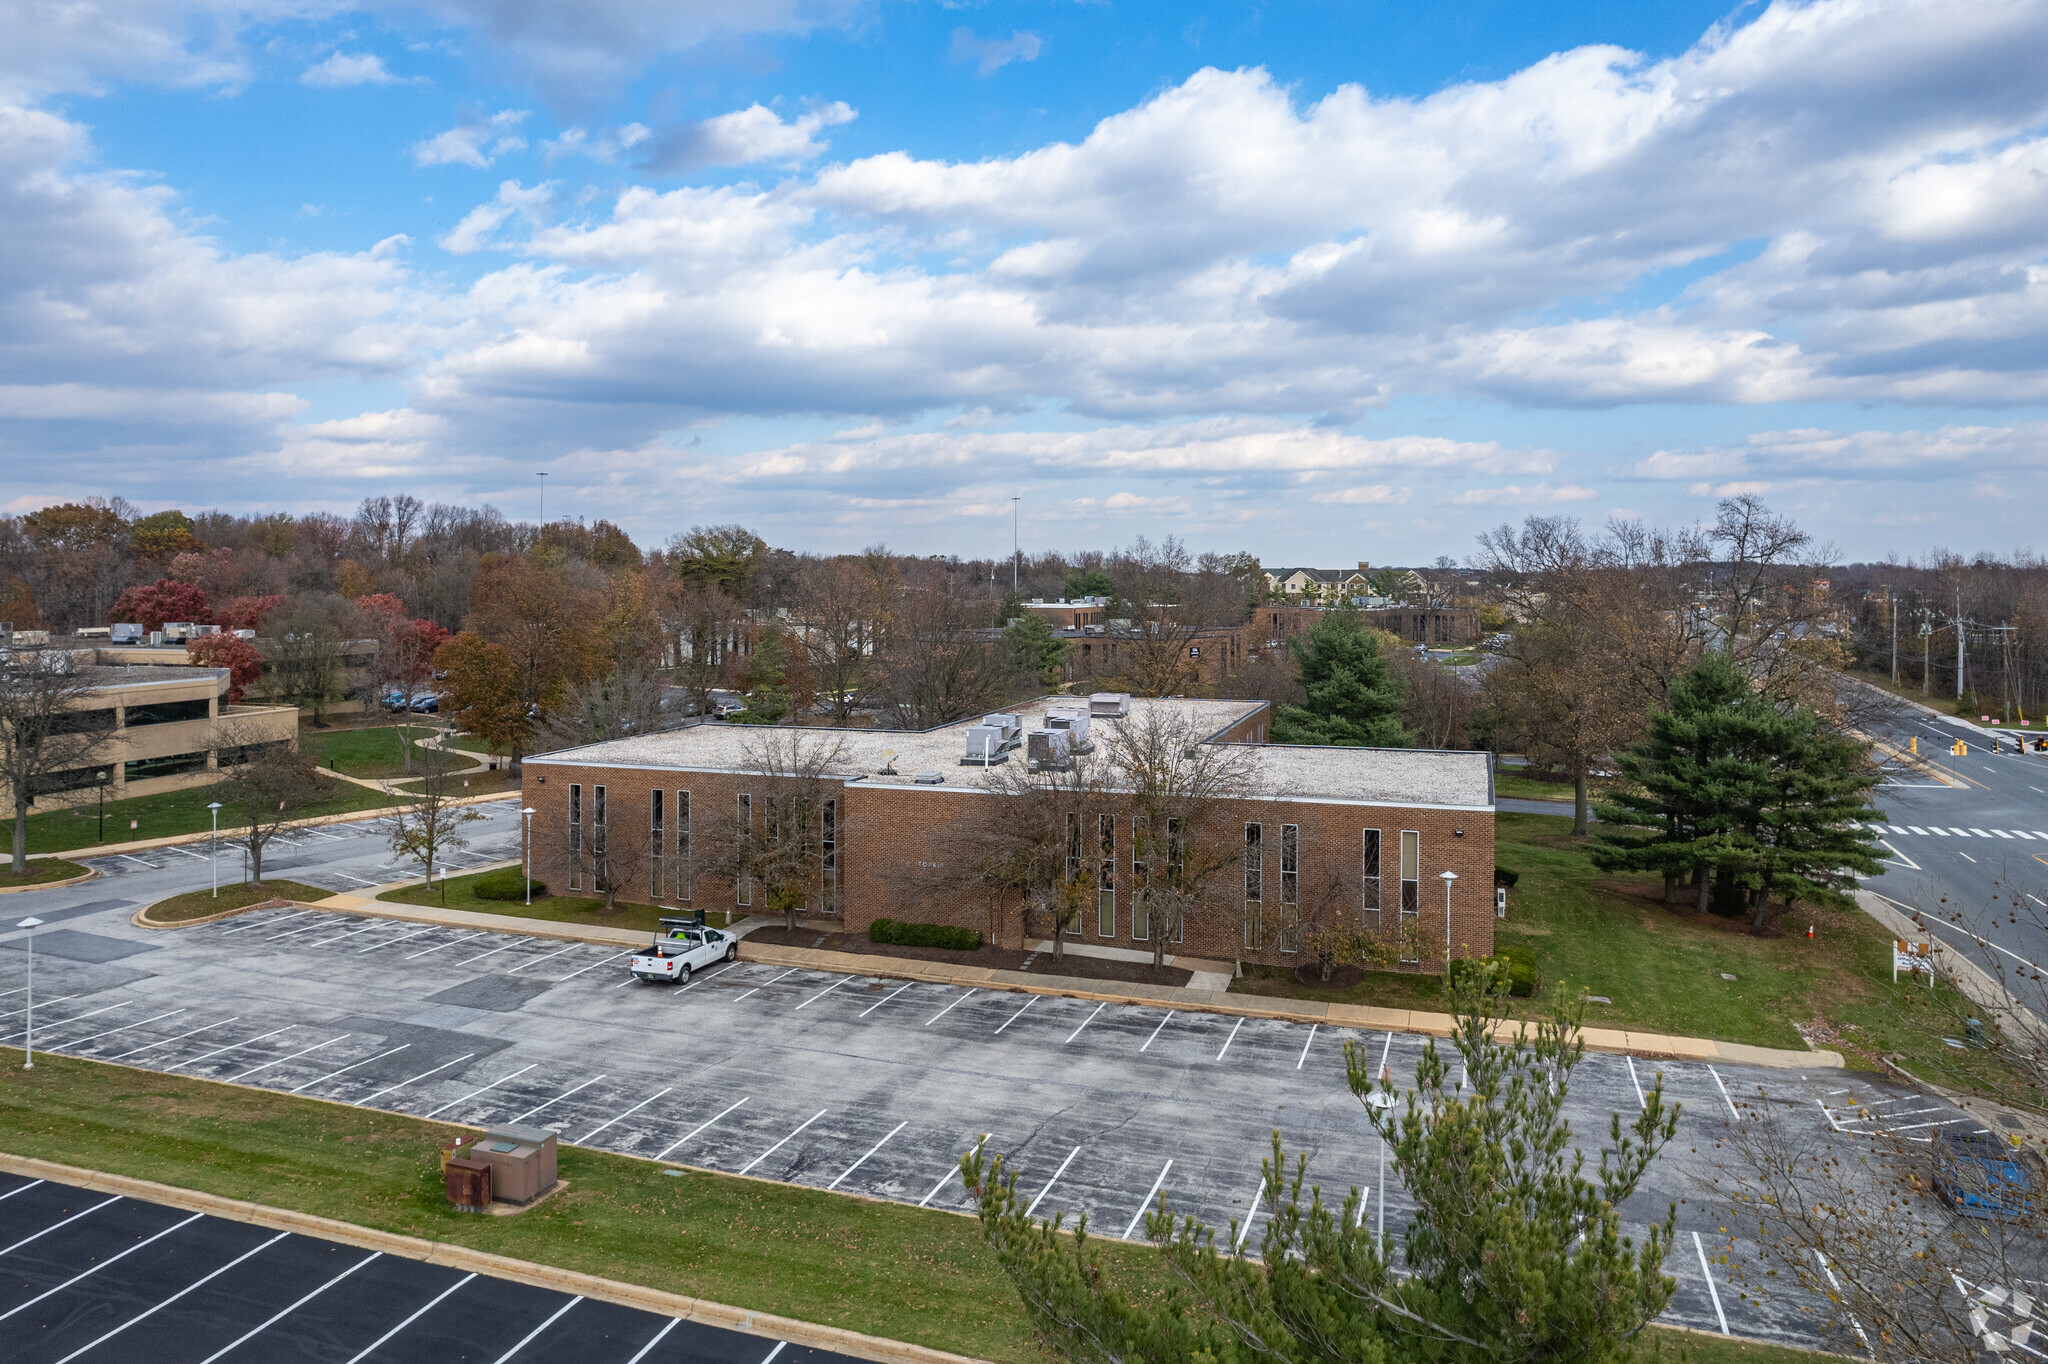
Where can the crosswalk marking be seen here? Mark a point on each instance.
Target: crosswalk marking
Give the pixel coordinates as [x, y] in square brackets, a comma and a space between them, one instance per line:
[1953, 832]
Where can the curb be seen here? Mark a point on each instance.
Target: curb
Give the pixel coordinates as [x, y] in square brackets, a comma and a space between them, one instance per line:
[50, 885]
[140, 918]
[654, 1300]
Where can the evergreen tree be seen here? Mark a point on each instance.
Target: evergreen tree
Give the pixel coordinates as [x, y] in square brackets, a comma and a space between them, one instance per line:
[1035, 651]
[1514, 1252]
[766, 675]
[1352, 699]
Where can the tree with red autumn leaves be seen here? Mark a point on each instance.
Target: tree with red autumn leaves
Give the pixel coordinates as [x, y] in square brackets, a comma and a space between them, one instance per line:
[237, 655]
[247, 613]
[163, 600]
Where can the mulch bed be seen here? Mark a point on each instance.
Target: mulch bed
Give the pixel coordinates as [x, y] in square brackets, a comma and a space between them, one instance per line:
[1341, 977]
[995, 958]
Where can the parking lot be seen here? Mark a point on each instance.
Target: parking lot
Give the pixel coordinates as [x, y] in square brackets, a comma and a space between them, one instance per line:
[92, 1276]
[845, 1082]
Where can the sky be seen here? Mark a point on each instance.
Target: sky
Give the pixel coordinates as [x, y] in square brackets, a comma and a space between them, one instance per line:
[1328, 282]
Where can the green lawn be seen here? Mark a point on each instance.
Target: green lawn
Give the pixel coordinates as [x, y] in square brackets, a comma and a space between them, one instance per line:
[372, 752]
[165, 815]
[573, 909]
[884, 1269]
[198, 904]
[41, 871]
[1663, 970]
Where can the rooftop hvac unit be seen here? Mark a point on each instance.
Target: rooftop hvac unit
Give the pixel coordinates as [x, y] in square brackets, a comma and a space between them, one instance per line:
[1012, 726]
[1049, 750]
[930, 779]
[245, 634]
[1109, 705]
[128, 633]
[986, 746]
[178, 631]
[156, 639]
[1072, 720]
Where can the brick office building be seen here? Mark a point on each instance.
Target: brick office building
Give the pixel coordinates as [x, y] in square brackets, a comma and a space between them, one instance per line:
[1377, 827]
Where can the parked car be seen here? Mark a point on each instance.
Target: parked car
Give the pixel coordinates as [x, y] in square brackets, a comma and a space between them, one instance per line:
[426, 705]
[1977, 1175]
[687, 946]
[394, 701]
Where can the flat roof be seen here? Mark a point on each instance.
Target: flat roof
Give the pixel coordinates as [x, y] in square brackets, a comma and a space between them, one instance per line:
[1375, 776]
[107, 677]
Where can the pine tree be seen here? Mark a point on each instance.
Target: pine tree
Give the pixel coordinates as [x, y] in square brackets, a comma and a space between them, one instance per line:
[1811, 833]
[1515, 1253]
[1352, 698]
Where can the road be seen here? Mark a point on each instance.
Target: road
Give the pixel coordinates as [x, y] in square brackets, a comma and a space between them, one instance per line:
[846, 1082]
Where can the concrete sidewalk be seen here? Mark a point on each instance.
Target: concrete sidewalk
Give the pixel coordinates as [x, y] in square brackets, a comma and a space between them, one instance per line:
[1648, 1044]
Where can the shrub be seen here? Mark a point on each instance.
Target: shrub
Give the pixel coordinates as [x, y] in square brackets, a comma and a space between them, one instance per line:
[1519, 964]
[1503, 877]
[507, 884]
[904, 934]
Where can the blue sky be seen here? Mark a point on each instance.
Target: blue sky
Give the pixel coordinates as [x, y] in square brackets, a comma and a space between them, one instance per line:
[1322, 281]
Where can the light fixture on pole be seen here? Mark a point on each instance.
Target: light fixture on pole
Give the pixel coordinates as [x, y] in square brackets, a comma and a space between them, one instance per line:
[29, 1045]
[213, 847]
[1381, 1100]
[1016, 550]
[100, 780]
[1449, 877]
[526, 852]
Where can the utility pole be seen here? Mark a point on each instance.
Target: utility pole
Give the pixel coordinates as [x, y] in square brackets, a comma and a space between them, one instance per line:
[1959, 643]
[1892, 618]
[1015, 551]
[1926, 669]
[543, 508]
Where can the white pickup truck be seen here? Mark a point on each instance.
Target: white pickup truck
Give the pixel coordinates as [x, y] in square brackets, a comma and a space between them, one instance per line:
[683, 949]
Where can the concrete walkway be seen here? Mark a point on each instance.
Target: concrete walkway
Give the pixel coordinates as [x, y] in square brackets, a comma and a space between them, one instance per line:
[1216, 1001]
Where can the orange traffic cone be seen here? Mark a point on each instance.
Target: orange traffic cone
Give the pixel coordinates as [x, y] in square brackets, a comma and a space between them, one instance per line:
[1809, 930]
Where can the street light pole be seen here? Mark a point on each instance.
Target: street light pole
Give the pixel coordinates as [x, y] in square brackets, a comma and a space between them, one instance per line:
[29, 1044]
[1892, 618]
[213, 848]
[100, 778]
[1382, 1101]
[526, 851]
[1015, 546]
[1449, 877]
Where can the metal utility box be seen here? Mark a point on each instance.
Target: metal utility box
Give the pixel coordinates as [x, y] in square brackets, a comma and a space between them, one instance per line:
[1073, 718]
[468, 1183]
[1048, 750]
[1011, 726]
[522, 1161]
[126, 632]
[1109, 705]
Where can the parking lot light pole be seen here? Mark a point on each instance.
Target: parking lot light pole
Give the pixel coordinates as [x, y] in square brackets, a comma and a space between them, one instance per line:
[526, 852]
[29, 1045]
[101, 779]
[1449, 877]
[1382, 1101]
[213, 847]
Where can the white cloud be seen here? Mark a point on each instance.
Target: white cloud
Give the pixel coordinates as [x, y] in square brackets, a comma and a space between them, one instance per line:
[463, 145]
[992, 54]
[1516, 495]
[745, 137]
[477, 227]
[348, 68]
[603, 148]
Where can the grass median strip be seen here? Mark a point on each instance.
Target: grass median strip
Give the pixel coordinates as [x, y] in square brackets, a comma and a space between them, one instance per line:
[883, 1269]
[201, 904]
[41, 872]
[167, 814]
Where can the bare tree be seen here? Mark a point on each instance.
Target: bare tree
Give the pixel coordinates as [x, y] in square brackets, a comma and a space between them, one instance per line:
[48, 732]
[704, 624]
[266, 784]
[1178, 784]
[776, 836]
[625, 701]
[839, 608]
[428, 827]
[935, 662]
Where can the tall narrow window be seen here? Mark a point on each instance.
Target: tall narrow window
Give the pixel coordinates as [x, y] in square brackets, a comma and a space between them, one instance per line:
[1369, 882]
[1074, 872]
[1105, 882]
[746, 838]
[657, 840]
[600, 864]
[1175, 859]
[1290, 888]
[828, 854]
[1411, 895]
[1254, 887]
[1141, 878]
[682, 845]
[575, 835]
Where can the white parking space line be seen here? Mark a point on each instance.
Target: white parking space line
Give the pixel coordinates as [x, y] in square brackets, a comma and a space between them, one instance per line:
[139, 862]
[822, 993]
[189, 853]
[397, 940]
[884, 1000]
[694, 1131]
[492, 953]
[1384, 1053]
[532, 1335]
[257, 1331]
[537, 1108]
[1306, 1042]
[23, 1189]
[152, 1046]
[705, 974]
[317, 1046]
[421, 1076]
[1085, 1022]
[474, 1092]
[76, 1018]
[351, 1066]
[65, 1223]
[1732, 1112]
[270, 923]
[1641, 1100]
[46, 1004]
[673, 1322]
[1050, 1182]
[1967, 858]
[463, 937]
[430, 1306]
[1232, 1038]
[366, 928]
[188, 1288]
[535, 961]
[1251, 1216]
[942, 1013]
[1164, 1019]
[769, 1358]
[233, 1046]
[313, 927]
[1146, 1201]
[627, 1114]
[951, 1170]
[357, 879]
[1708, 1275]
[765, 984]
[594, 965]
[785, 1141]
[863, 1160]
[100, 1265]
[1019, 1014]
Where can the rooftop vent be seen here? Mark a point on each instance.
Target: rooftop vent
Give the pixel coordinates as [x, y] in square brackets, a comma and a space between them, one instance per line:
[1109, 705]
[930, 779]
